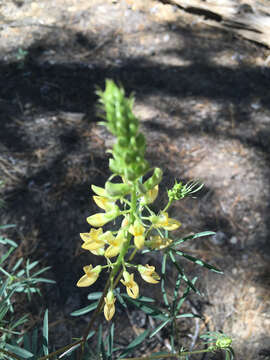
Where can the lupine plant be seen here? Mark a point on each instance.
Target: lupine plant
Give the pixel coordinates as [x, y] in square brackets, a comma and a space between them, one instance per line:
[120, 234]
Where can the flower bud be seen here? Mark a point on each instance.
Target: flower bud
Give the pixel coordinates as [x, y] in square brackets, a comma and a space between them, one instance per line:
[109, 308]
[117, 190]
[154, 180]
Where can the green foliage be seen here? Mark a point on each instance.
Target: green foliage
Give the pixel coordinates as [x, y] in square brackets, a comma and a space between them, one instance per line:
[15, 279]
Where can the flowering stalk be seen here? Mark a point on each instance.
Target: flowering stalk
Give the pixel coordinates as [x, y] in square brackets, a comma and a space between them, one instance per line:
[126, 198]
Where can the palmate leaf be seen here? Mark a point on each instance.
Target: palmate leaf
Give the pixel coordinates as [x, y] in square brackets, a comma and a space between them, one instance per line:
[198, 261]
[184, 277]
[192, 237]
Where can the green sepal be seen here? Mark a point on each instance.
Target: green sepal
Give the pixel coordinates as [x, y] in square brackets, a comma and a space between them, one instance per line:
[154, 180]
[117, 189]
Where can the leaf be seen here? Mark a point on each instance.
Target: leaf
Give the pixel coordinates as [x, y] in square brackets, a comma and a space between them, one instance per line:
[110, 341]
[30, 266]
[187, 315]
[99, 338]
[94, 295]
[160, 326]
[19, 351]
[18, 263]
[41, 271]
[6, 255]
[145, 299]
[2, 227]
[193, 236]
[3, 287]
[85, 310]
[148, 309]
[183, 297]
[44, 280]
[139, 339]
[199, 262]
[163, 271]
[120, 299]
[183, 274]
[45, 333]
[35, 341]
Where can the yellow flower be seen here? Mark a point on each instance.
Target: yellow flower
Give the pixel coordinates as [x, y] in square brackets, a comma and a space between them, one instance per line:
[131, 286]
[115, 244]
[109, 308]
[125, 222]
[104, 203]
[148, 274]
[150, 196]
[157, 242]
[101, 219]
[99, 191]
[137, 230]
[91, 275]
[165, 222]
[93, 241]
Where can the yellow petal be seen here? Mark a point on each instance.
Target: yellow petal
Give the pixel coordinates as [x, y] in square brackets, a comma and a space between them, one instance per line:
[103, 202]
[150, 196]
[109, 311]
[93, 234]
[93, 245]
[149, 274]
[131, 286]
[158, 243]
[85, 281]
[133, 291]
[99, 191]
[112, 251]
[91, 275]
[98, 219]
[172, 225]
[136, 229]
[107, 237]
[109, 308]
[139, 241]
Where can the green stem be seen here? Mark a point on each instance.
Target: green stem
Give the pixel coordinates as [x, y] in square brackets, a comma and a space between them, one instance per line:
[168, 205]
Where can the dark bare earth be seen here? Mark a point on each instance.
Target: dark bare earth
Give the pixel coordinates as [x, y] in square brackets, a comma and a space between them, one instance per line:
[202, 95]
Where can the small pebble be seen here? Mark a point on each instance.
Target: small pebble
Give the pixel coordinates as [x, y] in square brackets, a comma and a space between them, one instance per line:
[219, 238]
[256, 106]
[166, 37]
[233, 240]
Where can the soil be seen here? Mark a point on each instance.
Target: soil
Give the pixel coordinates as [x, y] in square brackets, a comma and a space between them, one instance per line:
[202, 95]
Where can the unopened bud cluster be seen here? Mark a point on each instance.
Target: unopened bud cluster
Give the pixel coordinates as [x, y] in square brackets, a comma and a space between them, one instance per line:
[129, 149]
